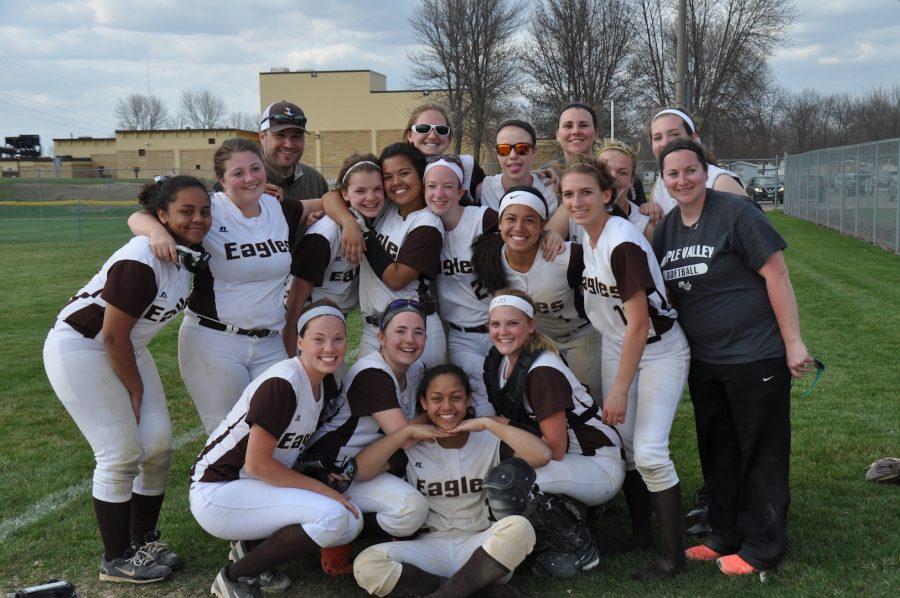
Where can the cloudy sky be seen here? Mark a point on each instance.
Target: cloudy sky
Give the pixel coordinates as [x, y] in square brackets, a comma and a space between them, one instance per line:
[64, 63]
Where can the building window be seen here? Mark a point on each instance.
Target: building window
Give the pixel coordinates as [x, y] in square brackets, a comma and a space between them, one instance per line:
[197, 167]
[141, 153]
[211, 140]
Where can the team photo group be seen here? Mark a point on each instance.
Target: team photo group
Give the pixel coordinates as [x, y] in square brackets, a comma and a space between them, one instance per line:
[526, 340]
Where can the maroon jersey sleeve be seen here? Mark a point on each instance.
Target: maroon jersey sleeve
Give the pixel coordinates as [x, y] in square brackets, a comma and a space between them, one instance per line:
[629, 266]
[575, 271]
[421, 250]
[272, 406]
[548, 392]
[371, 391]
[293, 215]
[130, 286]
[312, 258]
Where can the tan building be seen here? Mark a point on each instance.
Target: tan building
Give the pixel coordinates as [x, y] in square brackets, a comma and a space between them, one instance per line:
[133, 154]
[34, 168]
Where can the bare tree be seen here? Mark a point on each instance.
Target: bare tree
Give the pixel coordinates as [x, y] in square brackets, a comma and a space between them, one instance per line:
[465, 53]
[575, 51]
[803, 120]
[142, 112]
[247, 121]
[728, 45]
[201, 109]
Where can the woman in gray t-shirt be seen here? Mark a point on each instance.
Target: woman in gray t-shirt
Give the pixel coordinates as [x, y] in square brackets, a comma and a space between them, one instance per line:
[723, 267]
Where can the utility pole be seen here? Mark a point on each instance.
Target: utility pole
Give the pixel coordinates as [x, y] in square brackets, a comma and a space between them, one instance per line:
[681, 57]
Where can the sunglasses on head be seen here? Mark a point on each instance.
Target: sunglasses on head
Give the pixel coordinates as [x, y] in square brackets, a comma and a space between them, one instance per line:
[287, 119]
[399, 305]
[425, 129]
[452, 158]
[504, 149]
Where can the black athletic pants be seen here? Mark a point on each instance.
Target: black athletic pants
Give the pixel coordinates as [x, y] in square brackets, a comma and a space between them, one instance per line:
[743, 422]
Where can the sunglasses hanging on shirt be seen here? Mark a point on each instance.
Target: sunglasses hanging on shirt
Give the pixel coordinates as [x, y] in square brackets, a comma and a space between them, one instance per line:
[192, 259]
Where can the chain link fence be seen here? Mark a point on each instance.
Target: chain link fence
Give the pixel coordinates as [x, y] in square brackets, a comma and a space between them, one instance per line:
[852, 189]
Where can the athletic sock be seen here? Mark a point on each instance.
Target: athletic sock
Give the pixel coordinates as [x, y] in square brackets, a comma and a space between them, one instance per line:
[284, 545]
[144, 515]
[478, 572]
[113, 520]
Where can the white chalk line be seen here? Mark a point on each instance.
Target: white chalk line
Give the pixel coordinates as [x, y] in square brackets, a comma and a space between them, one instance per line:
[62, 498]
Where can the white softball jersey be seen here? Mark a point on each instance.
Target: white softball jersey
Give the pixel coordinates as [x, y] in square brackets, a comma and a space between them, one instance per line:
[136, 282]
[451, 480]
[281, 401]
[492, 192]
[660, 194]
[323, 265]
[554, 288]
[414, 241]
[620, 264]
[550, 387]
[249, 264]
[463, 300]
[369, 387]
[576, 231]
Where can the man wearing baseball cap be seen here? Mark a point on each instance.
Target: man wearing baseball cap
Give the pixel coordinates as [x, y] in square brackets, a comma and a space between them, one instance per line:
[282, 131]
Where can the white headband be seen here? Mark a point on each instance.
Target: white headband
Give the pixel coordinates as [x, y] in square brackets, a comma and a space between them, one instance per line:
[322, 310]
[680, 115]
[454, 167]
[512, 301]
[524, 198]
[349, 170]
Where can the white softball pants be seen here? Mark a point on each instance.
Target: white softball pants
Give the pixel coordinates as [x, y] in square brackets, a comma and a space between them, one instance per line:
[130, 457]
[399, 508]
[582, 354]
[377, 569]
[652, 402]
[593, 480]
[435, 352]
[468, 350]
[249, 509]
[217, 367]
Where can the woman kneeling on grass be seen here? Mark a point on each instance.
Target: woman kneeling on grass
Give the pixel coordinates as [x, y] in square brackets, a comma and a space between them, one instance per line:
[448, 462]
[97, 361]
[243, 485]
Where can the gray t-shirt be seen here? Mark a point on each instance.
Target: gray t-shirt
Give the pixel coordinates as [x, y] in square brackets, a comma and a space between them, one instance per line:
[710, 271]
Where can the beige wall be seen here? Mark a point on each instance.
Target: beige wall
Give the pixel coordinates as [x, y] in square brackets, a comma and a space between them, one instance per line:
[32, 169]
[341, 100]
[167, 150]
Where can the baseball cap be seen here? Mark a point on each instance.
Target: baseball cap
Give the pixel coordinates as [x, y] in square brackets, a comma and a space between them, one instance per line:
[282, 115]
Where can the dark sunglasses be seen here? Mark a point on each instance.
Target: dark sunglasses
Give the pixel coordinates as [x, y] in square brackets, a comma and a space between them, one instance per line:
[504, 149]
[287, 119]
[400, 305]
[453, 158]
[425, 129]
[192, 259]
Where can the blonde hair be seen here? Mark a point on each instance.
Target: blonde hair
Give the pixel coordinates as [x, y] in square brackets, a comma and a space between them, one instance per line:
[538, 341]
[615, 145]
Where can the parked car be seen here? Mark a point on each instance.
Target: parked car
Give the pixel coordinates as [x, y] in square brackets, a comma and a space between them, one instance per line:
[766, 188]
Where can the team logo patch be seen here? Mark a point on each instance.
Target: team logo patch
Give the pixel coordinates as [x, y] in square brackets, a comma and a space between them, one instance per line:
[418, 464]
[684, 285]
[223, 229]
[163, 295]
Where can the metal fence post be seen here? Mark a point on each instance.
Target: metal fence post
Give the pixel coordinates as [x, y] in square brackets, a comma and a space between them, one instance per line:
[897, 199]
[856, 218]
[875, 199]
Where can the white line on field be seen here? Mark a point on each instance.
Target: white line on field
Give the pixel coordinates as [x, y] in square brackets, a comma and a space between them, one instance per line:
[62, 498]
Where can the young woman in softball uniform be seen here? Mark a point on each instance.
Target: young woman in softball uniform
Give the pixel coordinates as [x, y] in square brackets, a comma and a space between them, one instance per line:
[645, 355]
[513, 258]
[323, 272]
[97, 361]
[231, 329]
[463, 301]
[379, 398]
[402, 250]
[243, 485]
[516, 149]
[448, 461]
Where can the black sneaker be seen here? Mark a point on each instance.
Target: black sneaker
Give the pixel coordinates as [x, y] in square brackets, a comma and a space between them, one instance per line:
[223, 587]
[137, 567]
[270, 581]
[160, 551]
[553, 563]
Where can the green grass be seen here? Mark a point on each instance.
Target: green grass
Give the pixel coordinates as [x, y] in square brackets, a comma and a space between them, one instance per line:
[844, 530]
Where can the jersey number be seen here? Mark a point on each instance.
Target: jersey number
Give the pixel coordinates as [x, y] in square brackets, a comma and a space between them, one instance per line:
[618, 309]
[478, 288]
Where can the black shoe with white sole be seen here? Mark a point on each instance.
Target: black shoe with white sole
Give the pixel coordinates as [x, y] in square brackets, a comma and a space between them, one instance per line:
[223, 587]
[160, 551]
[138, 567]
[270, 581]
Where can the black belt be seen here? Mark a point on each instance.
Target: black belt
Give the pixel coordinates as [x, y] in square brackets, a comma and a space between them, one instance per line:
[258, 332]
[480, 329]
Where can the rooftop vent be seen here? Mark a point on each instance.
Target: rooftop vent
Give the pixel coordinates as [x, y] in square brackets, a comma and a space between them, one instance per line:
[279, 69]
